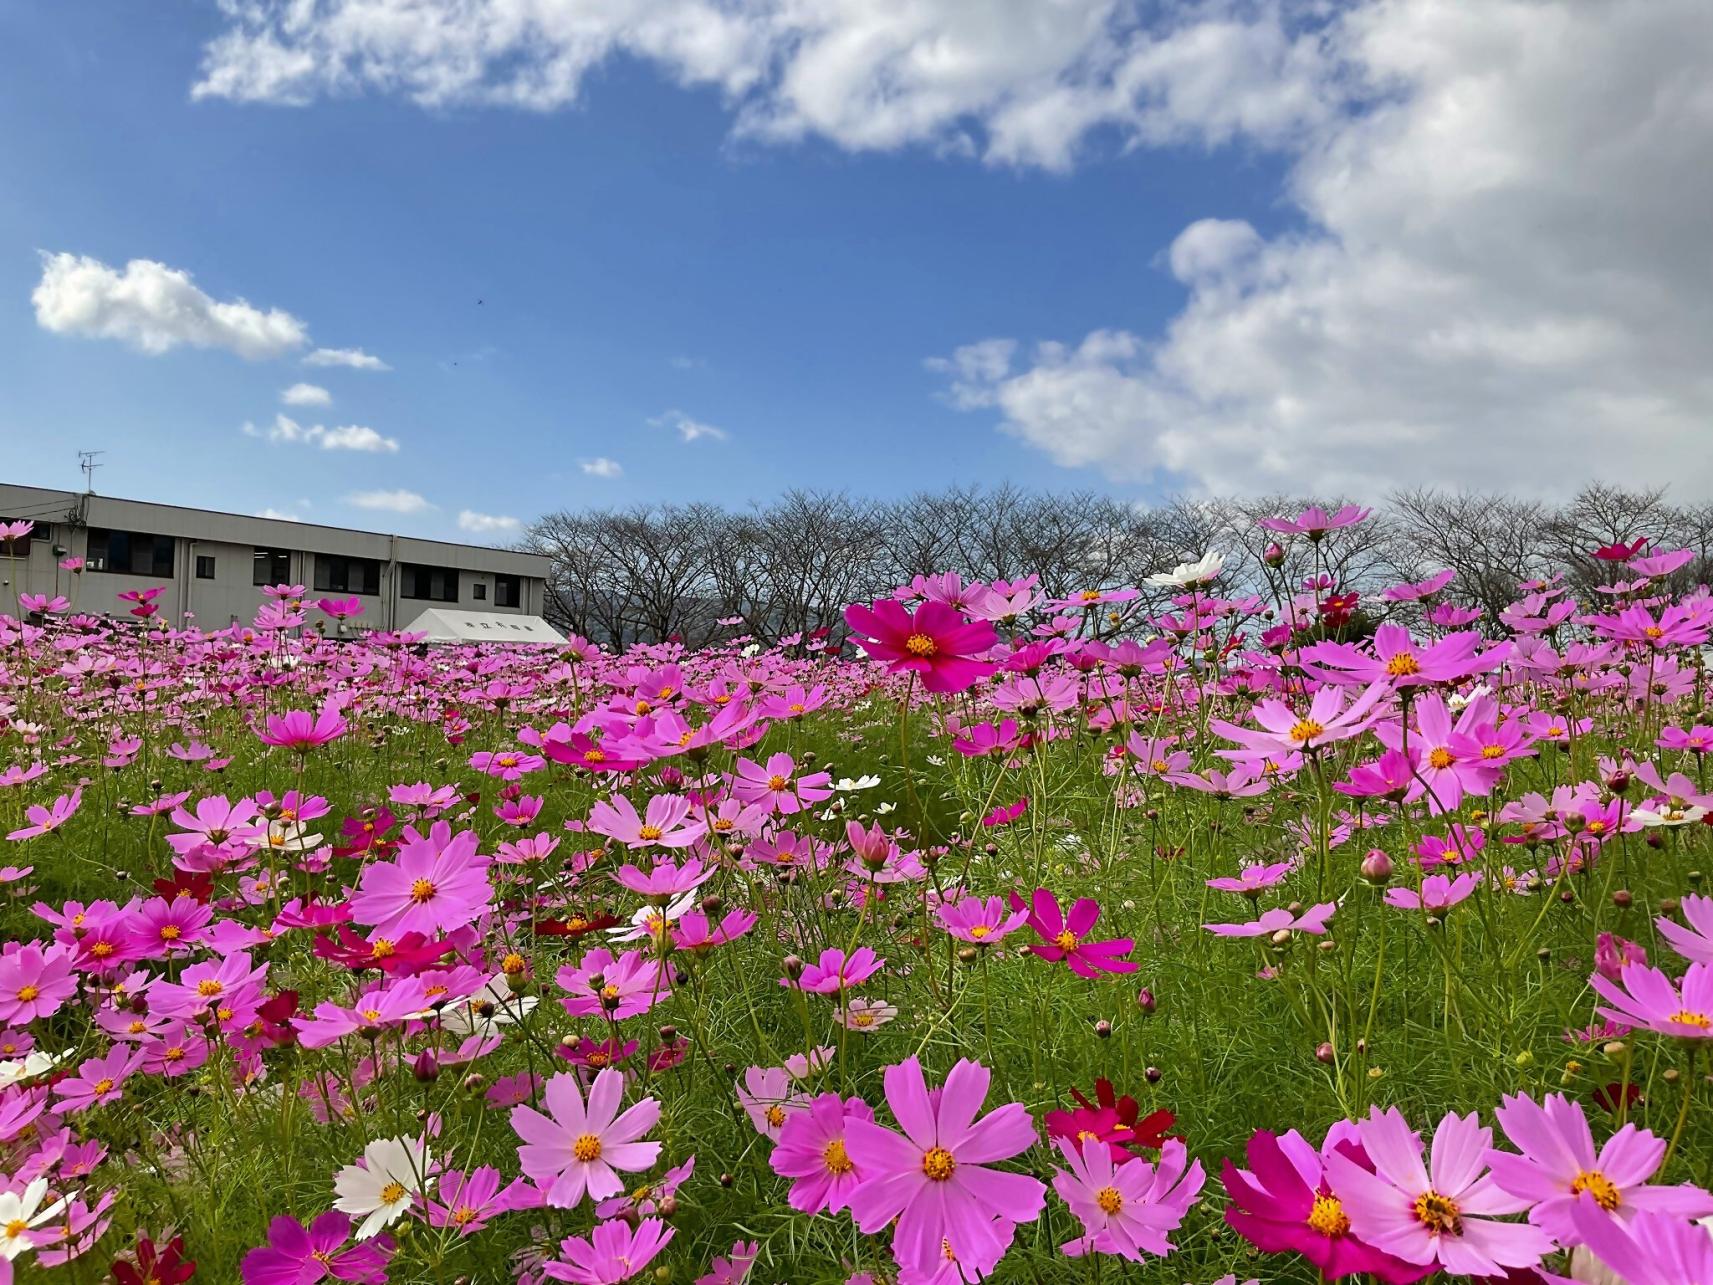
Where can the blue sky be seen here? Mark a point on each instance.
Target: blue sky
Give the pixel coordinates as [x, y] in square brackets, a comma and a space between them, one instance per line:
[1228, 268]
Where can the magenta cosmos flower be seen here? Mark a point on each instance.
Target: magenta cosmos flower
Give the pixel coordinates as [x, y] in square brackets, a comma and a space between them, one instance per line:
[1650, 1249]
[299, 730]
[1397, 658]
[1279, 919]
[936, 643]
[1126, 1209]
[296, 1255]
[666, 823]
[1558, 1164]
[1283, 1203]
[813, 1154]
[835, 971]
[1284, 731]
[935, 1178]
[99, 1080]
[1649, 998]
[1062, 935]
[1441, 1213]
[983, 921]
[1438, 893]
[577, 1147]
[1315, 521]
[437, 882]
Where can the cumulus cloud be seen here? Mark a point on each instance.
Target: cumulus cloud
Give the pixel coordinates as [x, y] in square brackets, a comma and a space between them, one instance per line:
[389, 501]
[1500, 244]
[1015, 81]
[279, 515]
[487, 523]
[346, 437]
[688, 430]
[306, 395]
[601, 466]
[352, 358]
[154, 309]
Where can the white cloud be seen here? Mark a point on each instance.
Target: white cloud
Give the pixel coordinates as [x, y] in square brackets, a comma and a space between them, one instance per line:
[306, 395]
[279, 515]
[1015, 81]
[688, 430]
[154, 309]
[1499, 277]
[389, 501]
[601, 466]
[346, 437]
[487, 523]
[353, 358]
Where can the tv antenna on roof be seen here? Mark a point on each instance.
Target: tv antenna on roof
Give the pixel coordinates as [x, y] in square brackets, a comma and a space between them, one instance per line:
[88, 462]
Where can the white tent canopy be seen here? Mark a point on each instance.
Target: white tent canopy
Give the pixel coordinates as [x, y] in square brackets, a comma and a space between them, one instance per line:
[446, 625]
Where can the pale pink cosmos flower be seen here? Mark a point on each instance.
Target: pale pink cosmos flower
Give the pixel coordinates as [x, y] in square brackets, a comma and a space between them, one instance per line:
[768, 1098]
[98, 1081]
[580, 1147]
[47, 820]
[437, 882]
[983, 921]
[35, 981]
[776, 785]
[1283, 730]
[300, 730]
[1648, 998]
[1437, 893]
[1694, 942]
[615, 1251]
[666, 823]
[1279, 919]
[1126, 1209]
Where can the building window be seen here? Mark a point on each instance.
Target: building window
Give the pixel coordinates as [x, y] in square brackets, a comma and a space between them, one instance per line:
[479, 591]
[272, 566]
[20, 548]
[431, 584]
[337, 574]
[508, 591]
[204, 566]
[130, 553]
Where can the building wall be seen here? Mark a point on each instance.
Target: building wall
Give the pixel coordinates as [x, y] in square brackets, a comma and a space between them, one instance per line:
[63, 520]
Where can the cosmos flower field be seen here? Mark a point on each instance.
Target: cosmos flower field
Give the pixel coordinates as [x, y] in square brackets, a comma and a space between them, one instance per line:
[1174, 932]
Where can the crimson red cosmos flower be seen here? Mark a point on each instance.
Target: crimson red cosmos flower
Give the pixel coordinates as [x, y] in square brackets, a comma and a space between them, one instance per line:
[410, 953]
[1618, 551]
[155, 1265]
[1113, 1120]
[936, 643]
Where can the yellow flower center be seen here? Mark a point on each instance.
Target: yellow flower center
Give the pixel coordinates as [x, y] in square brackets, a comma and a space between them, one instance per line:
[422, 891]
[1688, 1018]
[28, 993]
[594, 756]
[777, 782]
[1403, 665]
[1109, 1200]
[1438, 1214]
[587, 1148]
[650, 832]
[864, 1018]
[938, 1163]
[1492, 751]
[834, 1157]
[381, 948]
[209, 987]
[392, 1193]
[170, 932]
[17, 1227]
[1654, 631]
[105, 1085]
[921, 646]
[775, 1115]
[1598, 1185]
[1090, 595]
[512, 964]
[980, 931]
[1328, 1216]
[1440, 757]
[1305, 730]
[1066, 940]
[371, 1014]
[464, 1215]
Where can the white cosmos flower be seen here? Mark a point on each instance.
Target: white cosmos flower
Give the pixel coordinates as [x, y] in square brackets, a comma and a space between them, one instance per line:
[464, 1017]
[382, 1188]
[1187, 574]
[845, 785]
[652, 922]
[19, 1212]
[29, 1067]
[1667, 815]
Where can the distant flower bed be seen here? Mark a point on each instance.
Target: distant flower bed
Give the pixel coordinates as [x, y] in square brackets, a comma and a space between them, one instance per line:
[998, 931]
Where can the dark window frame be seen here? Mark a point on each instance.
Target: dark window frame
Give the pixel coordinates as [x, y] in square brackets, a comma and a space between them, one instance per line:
[333, 574]
[508, 591]
[420, 582]
[270, 566]
[162, 552]
[208, 559]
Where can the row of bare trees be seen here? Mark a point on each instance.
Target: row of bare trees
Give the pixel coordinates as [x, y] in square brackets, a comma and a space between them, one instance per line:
[790, 566]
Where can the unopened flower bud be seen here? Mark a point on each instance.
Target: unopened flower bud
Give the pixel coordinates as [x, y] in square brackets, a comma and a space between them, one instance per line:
[1103, 1029]
[426, 1067]
[1151, 1074]
[1145, 1000]
[1377, 868]
[1325, 1053]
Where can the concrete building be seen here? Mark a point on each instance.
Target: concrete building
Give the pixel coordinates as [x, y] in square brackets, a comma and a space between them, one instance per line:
[215, 564]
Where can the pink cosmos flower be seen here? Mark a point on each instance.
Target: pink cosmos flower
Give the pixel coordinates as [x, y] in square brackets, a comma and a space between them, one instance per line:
[935, 643]
[1126, 1209]
[437, 882]
[295, 1255]
[1648, 998]
[1558, 1164]
[98, 1081]
[580, 1147]
[1611, 954]
[1441, 1213]
[1420, 589]
[768, 1098]
[1284, 1203]
[467, 1201]
[299, 730]
[667, 822]
[613, 987]
[1255, 877]
[835, 971]
[1284, 731]
[776, 787]
[812, 1152]
[615, 1251]
[1695, 942]
[982, 921]
[1649, 1249]
[1437, 894]
[935, 1178]
[1062, 935]
[507, 765]
[1315, 522]
[34, 981]
[1279, 919]
[733, 1270]
[46, 820]
[1395, 657]
[665, 881]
